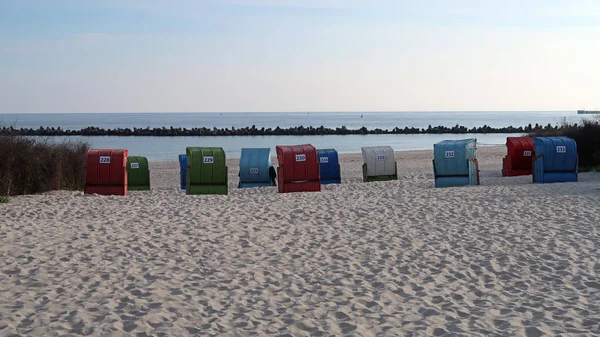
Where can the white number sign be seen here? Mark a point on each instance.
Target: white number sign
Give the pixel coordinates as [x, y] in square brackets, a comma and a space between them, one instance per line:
[449, 154]
[104, 159]
[209, 160]
[254, 170]
[300, 157]
[526, 153]
[380, 157]
[561, 149]
[323, 160]
[135, 165]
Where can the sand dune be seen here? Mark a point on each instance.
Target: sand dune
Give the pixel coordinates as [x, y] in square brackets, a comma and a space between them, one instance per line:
[507, 258]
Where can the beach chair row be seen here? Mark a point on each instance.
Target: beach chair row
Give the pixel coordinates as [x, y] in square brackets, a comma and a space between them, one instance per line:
[203, 170]
[546, 159]
[303, 168]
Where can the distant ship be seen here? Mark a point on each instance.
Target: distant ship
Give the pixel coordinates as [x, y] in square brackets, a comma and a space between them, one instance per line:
[585, 112]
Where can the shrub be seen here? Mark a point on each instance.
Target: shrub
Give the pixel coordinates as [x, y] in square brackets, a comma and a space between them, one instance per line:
[29, 165]
[587, 136]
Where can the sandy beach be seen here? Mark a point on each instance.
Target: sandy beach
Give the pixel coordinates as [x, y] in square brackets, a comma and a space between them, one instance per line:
[398, 258]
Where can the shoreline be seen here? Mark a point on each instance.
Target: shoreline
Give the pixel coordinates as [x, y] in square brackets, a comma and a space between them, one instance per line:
[353, 155]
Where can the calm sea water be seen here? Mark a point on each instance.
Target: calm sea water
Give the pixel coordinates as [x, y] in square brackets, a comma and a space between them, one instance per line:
[168, 148]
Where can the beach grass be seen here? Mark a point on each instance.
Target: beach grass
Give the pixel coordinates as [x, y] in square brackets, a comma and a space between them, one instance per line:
[36, 165]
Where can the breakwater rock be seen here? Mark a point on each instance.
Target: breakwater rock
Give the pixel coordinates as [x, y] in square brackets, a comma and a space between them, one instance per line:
[254, 131]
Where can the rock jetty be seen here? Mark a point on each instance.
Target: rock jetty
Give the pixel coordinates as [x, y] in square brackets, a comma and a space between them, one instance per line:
[254, 131]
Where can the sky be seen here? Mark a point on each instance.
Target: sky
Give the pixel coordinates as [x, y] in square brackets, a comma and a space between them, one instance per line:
[298, 55]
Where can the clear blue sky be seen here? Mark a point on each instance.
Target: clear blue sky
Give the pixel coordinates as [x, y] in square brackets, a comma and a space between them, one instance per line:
[292, 55]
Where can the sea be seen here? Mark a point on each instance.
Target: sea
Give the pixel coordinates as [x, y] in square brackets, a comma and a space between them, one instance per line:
[168, 148]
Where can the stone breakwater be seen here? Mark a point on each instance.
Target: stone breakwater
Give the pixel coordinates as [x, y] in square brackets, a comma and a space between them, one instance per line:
[254, 131]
